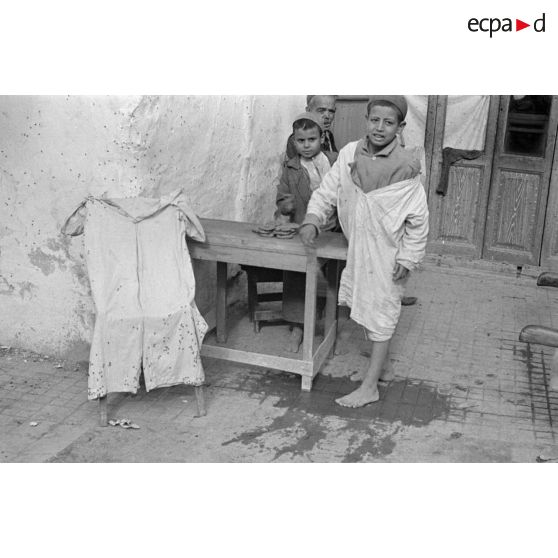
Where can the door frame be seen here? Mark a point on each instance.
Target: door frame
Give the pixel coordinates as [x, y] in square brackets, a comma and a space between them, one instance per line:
[434, 104]
[549, 249]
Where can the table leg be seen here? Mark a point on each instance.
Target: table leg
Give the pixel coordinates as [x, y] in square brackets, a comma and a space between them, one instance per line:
[331, 297]
[221, 302]
[310, 307]
[307, 383]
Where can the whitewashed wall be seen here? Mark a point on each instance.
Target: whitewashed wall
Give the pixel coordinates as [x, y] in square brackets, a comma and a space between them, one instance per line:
[224, 151]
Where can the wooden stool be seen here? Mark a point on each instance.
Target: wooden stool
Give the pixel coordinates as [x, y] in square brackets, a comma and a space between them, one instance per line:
[256, 312]
[547, 336]
[541, 335]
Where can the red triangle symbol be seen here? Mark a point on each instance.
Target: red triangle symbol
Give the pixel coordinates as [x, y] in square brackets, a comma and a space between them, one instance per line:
[519, 25]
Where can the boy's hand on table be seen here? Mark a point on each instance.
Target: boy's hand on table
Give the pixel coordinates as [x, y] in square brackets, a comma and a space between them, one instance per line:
[308, 234]
[400, 272]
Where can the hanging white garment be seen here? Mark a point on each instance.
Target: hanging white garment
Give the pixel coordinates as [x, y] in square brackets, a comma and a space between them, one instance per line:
[383, 227]
[466, 121]
[143, 287]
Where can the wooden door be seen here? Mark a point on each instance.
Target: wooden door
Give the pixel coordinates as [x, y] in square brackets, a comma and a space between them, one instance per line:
[350, 119]
[457, 220]
[521, 170]
[549, 255]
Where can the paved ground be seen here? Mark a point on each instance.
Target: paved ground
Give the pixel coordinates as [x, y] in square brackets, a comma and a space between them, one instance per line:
[466, 390]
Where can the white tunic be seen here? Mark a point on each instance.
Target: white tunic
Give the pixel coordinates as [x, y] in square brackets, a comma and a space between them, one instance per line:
[143, 287]
[383, 227]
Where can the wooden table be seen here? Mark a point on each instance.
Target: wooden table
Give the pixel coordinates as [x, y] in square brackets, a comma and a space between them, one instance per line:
[234, 242]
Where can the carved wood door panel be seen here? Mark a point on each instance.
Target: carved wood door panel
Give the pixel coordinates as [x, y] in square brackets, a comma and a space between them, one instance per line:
[457, 219]
[521, 170]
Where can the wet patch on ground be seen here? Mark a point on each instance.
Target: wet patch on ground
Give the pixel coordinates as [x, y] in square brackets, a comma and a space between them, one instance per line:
[313, 418]
[379, 444]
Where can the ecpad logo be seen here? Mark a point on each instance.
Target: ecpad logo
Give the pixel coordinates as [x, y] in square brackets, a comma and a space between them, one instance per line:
[492, 25]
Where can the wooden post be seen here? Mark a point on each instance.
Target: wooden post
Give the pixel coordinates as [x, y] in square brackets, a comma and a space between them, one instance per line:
[307, 383]
[310, 312]
[200, 400]
[221, 302]
[103, 419]
[331, 298]
[554, 371]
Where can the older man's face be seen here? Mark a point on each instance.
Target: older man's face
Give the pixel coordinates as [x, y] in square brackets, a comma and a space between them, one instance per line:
[324, 107]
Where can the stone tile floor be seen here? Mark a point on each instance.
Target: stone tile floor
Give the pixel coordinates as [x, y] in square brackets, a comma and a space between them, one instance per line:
[466, 390]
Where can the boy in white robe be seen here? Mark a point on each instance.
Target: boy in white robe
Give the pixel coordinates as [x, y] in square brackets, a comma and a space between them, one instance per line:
[382, 209]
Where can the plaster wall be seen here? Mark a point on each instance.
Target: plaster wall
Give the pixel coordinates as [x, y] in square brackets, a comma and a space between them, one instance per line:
[224, 151]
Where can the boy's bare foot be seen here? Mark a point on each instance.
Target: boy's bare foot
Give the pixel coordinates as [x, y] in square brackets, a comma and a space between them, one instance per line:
[295, 340]
[342, 342]
[360, 397]
[388, 374]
